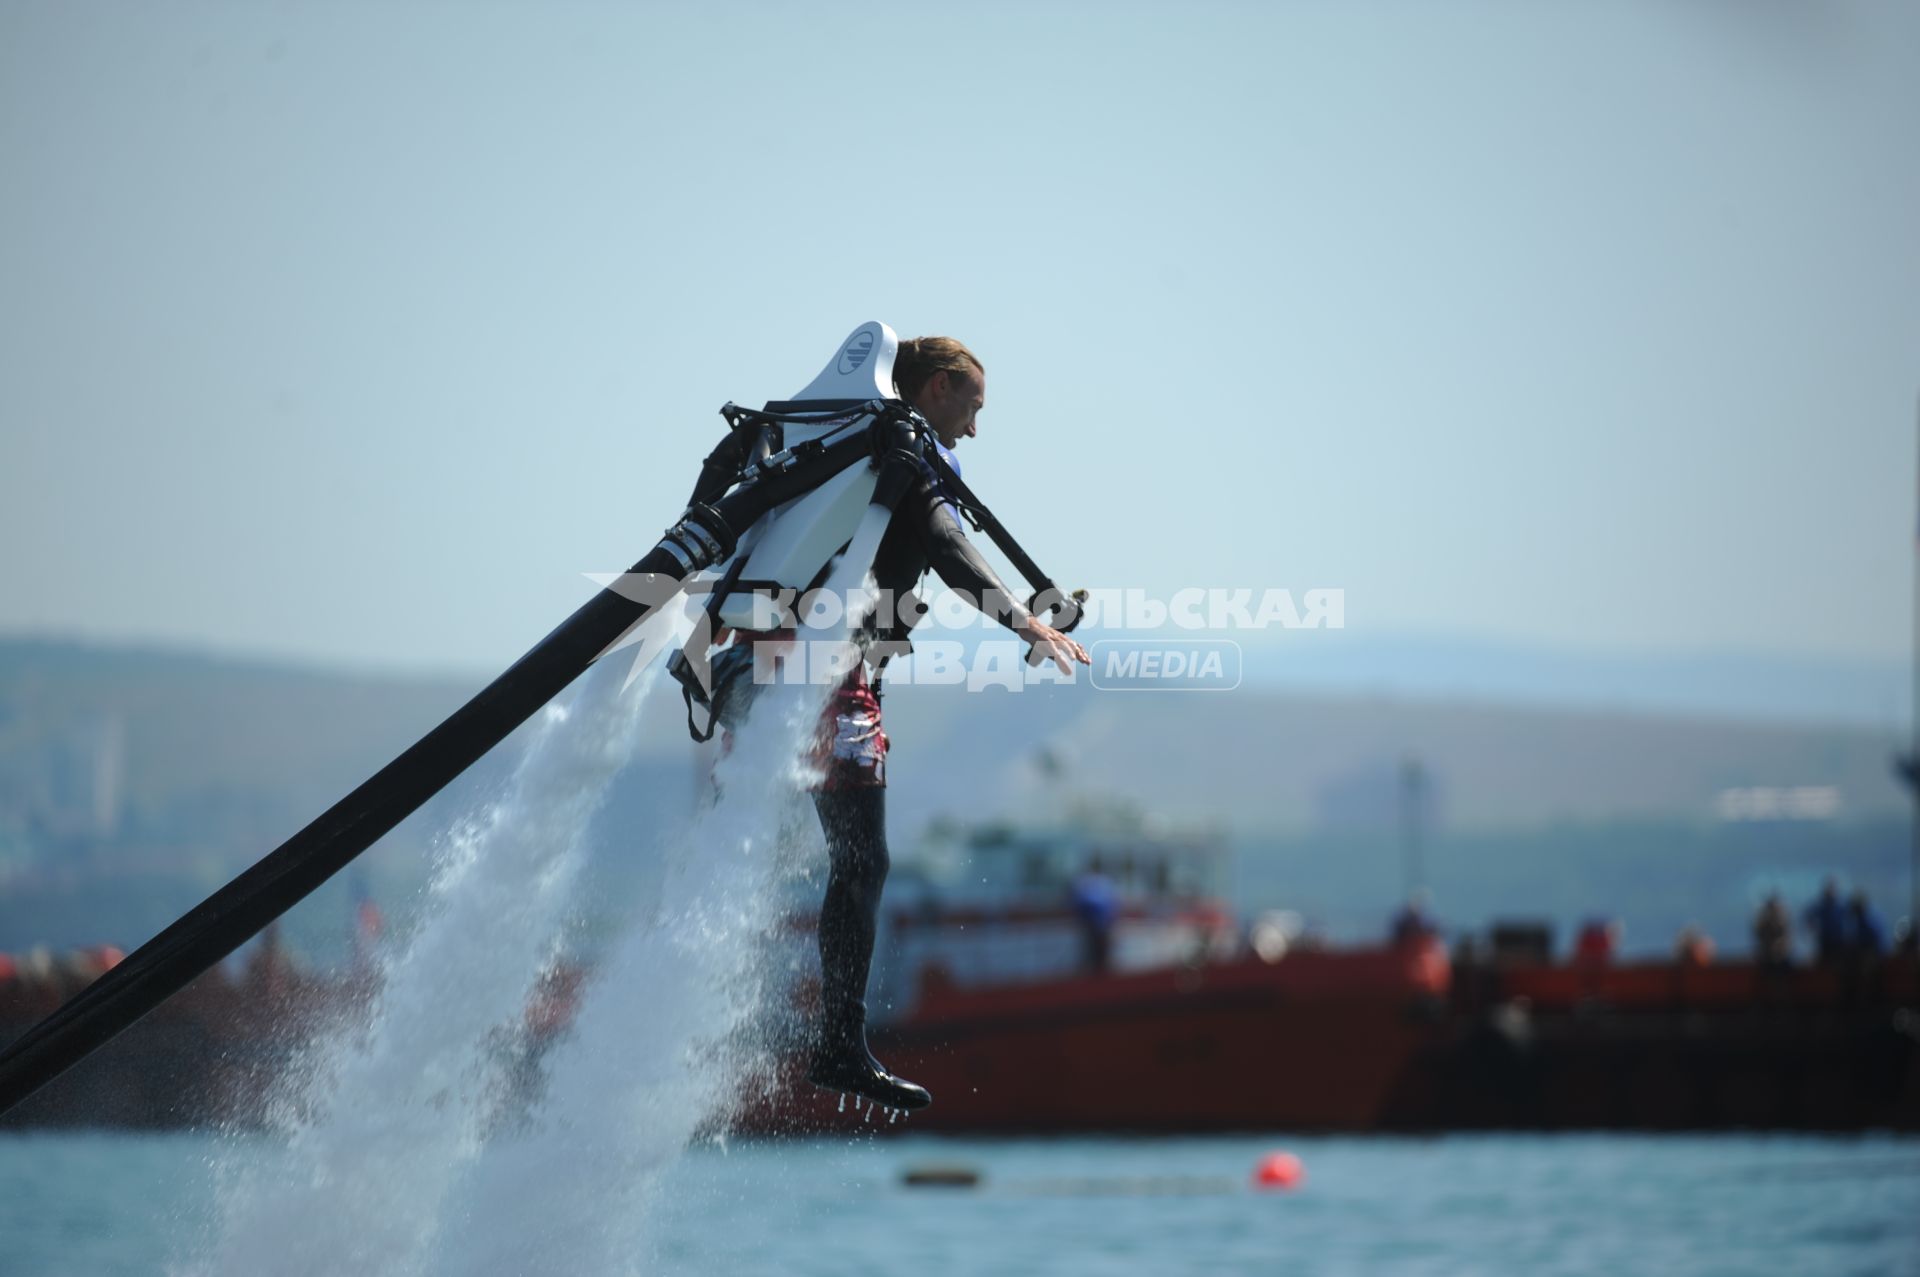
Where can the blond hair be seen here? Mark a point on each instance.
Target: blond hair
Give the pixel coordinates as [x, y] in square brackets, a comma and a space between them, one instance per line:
[921, 357]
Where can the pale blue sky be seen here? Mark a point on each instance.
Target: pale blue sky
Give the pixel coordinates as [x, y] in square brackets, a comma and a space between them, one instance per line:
[359, 332]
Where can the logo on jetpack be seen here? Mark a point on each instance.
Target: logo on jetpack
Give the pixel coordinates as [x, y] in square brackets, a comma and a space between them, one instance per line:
[856, 353]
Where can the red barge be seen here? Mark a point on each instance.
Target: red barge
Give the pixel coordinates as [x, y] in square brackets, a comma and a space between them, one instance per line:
[985, 990]
[1196, 1027]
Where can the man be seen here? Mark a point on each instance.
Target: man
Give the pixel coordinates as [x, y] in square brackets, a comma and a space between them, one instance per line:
[1832, 927]
[947, 384]
[1773, 934]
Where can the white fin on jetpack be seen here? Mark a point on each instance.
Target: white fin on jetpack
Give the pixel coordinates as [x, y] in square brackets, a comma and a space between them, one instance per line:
[862, 370]
[791, 545]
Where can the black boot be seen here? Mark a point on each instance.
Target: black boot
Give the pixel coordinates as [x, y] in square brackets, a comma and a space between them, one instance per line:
[842, 1062]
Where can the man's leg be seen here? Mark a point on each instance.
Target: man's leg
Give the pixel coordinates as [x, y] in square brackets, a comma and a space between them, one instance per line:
[855, 822]
[855, 825]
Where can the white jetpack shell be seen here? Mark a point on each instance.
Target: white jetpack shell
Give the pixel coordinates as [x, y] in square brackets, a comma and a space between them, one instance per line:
[793, 542]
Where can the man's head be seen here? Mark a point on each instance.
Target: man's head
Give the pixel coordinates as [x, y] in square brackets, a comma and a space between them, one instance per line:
[945, 382]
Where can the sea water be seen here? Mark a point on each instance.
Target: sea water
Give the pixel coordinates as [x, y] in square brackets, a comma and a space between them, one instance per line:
[384, 1112]
[1576, 1206]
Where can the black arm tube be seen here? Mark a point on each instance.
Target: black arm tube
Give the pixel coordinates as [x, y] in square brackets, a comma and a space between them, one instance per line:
[282, 878]
[1066, 606]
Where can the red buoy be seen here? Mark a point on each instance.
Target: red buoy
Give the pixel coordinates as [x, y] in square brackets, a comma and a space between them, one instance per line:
[1279, 1171]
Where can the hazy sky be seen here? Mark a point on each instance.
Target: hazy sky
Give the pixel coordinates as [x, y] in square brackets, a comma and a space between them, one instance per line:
[361, 331]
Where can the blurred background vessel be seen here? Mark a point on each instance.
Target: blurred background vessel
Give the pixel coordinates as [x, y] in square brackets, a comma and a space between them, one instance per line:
[1084, 972]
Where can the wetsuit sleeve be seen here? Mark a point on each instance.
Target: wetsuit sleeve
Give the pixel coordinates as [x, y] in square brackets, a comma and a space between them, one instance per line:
[950, 554]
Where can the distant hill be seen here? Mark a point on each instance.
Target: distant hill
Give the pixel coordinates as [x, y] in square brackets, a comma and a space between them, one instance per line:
[1544, 813]
[1728, 686]
[196, 725]
[207, 762]
[133, 781]
[1290, 762]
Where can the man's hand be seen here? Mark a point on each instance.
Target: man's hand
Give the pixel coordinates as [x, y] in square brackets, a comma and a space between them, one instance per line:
[1050, 642]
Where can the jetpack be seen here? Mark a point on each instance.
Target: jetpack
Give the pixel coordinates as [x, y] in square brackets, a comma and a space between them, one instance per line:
[775, 502]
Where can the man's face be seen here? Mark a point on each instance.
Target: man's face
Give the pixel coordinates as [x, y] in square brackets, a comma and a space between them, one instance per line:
[951, 402]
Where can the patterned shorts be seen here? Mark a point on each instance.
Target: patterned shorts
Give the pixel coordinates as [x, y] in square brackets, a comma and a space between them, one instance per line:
[850, 748]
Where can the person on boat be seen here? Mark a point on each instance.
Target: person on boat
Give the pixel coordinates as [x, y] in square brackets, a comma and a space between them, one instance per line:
[1412, 926]
[1773, 934]
[1832, 926]
[946, 383]
[1869, 933]
[1693, 947]
[1096, 906]
[1597, 943]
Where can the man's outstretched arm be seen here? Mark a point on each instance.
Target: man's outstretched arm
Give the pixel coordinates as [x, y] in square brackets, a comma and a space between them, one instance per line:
[968, 574]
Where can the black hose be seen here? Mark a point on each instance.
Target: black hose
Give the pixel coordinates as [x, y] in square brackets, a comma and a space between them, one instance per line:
[288, 874]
